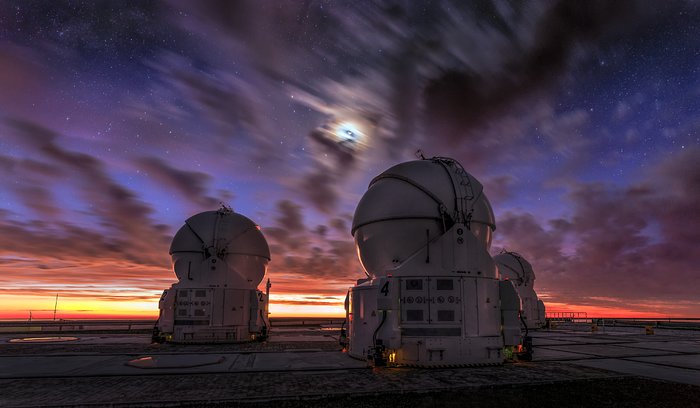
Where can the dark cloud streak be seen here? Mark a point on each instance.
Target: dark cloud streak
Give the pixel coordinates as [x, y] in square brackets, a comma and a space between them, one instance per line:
[190, 184]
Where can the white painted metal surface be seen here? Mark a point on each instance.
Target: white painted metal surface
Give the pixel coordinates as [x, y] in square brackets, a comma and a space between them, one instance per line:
[433, 295]
[220, 258]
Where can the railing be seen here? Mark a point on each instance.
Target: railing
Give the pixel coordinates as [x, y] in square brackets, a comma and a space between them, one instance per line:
[132, 326]
[566, 316]
[679, 323]
[304, 321]
[52, 326]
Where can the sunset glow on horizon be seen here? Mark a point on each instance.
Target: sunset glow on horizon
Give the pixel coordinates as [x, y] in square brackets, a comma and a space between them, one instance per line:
[117, 125]
[15, 308]
[285, 306]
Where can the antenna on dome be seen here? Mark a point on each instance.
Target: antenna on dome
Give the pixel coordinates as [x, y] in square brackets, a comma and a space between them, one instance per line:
[225, 209]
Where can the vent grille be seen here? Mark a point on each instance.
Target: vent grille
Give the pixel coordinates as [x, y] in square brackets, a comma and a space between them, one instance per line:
[446, 315]
[414, 315]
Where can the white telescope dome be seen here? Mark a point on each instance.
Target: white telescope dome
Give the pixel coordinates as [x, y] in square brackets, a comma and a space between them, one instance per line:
[220, 248]
[414, 202]
[513, 267]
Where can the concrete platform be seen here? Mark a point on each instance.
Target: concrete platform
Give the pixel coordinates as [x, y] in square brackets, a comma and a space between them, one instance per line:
[308, 363]
[668, 355]
[649, 370]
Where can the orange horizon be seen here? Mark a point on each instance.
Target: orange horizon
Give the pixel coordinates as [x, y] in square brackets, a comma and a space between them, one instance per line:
[120, 316]
[590, 312]
[97, 316]
[282, 305]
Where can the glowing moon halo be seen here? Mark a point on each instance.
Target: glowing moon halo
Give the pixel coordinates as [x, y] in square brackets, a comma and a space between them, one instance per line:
[348, 132]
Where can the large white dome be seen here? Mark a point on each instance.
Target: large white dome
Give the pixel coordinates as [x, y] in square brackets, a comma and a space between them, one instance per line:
[414, 202]
[222, 248]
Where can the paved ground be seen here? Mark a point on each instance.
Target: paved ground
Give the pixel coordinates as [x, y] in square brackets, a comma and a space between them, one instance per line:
[667, 355]
[306, 363]
[282, 385]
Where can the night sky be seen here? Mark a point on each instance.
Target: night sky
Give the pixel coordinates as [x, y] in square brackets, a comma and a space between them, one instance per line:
[119, 120]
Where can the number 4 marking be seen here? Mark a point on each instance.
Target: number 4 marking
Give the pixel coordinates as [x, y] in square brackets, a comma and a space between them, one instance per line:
[385, 289]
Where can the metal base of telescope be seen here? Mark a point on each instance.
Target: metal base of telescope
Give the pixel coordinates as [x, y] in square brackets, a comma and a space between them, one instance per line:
[435, 321]
[211, 315]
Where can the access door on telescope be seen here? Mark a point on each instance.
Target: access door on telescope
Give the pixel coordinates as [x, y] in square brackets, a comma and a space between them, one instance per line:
[193, 306]
[435, 300]
[234, 310]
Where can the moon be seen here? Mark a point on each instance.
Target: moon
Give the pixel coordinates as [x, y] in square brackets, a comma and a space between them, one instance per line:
[348, 132]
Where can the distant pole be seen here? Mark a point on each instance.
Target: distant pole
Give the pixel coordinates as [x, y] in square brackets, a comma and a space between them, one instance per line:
[30, 315]
[55, 305]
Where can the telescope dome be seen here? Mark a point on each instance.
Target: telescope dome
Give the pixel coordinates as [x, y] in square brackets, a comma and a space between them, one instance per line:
[513, 267]
[414, 202]
[220, 247]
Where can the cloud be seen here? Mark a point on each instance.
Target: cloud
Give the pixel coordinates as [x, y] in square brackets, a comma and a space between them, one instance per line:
[309, 261]
[288, 233]
[229, 109]
[192, 185]
[632, 244]
[474, 80]
[120, 242]
[339, 225]
[290, 216]
[38, 199]
[499, 188]
[321, 189]
[529, 54]
[30, 181]
[327, 68]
